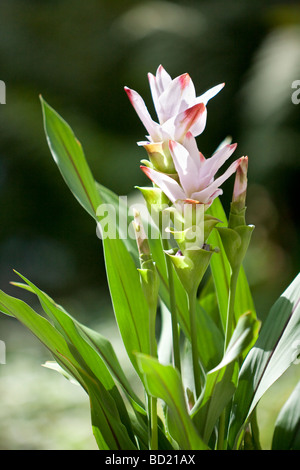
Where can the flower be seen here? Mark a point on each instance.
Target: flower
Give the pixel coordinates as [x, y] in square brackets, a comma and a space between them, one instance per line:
[240, 184]
[195, 173]
[178, 109]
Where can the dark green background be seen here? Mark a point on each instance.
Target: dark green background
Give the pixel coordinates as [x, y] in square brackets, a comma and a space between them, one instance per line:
[79, 55]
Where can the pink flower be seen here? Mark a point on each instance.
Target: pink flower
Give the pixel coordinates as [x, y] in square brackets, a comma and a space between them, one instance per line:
[240, 184]
[178, 109]
[196, 173]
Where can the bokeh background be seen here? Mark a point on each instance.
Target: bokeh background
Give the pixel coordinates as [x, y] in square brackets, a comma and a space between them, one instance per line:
[78, 56]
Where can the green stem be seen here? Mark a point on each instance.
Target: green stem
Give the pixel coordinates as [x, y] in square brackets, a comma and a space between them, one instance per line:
[152, 403]
[192, 297]
[153, 441]
[228, 333]
[175, 335]
[221, 433]
[230, 308]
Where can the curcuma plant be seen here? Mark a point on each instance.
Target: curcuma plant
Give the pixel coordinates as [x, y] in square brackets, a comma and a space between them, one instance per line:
[175, 259]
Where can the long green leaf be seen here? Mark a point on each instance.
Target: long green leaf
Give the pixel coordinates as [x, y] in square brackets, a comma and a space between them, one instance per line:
[269, 358]
[164, 382]
[111, 433]
[287, 427]
[127, 296]
[86, 355]
[70, 159]
[221, 382]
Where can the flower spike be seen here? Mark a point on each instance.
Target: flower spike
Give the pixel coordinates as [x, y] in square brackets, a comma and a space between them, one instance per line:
[195, 172]
[178, 108]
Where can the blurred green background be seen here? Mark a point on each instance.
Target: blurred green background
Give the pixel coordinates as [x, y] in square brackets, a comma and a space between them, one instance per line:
[78, 56]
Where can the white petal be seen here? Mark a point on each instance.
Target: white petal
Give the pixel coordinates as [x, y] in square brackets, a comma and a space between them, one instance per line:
[190, 144]
[178, 126]
[163, 79]
[209, 94]
[198, 127]
[185, 166]
[155, 94]
[168, 185]
[177, 97]
[205, 195]
[212, 164]
[138, 103]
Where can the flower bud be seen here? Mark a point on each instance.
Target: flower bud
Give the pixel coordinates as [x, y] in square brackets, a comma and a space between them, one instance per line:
[238, 204]
[141, 237]
[236, 237]
[160, 157]
[191, 266]
[148, 273]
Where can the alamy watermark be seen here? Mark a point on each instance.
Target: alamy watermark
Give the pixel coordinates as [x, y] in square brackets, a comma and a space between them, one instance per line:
[2, 92]
[296, 94]
[178, 221]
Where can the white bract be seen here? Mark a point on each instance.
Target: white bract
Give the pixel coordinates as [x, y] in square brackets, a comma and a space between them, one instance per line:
[178, 108]
[196, 173]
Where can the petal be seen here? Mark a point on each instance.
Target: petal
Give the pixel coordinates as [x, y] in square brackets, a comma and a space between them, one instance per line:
[217, 193]
[212, 164]
[199, 125]
[163, 79]
[206, 194]
[138, 103]
[177, 97]
[205, 97]
[185, 166]
[155, 94]
[177, 127]
[191, 145]
[168, 185]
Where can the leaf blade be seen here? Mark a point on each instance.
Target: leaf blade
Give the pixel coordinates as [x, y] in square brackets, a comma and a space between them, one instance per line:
[269, 358]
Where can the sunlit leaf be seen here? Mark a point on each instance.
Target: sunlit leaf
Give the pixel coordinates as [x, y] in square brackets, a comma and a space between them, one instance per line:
[127, 297]
[270, 357]
[287, 427]
[221, 382]
[110, 432]
[163, 381]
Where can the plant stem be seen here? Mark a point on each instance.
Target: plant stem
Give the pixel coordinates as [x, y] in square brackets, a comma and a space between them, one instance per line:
[153, 443]
[192, 297]
[228, 333]
[175, 335]
[220, 443]
[152, 413]
[230, 308]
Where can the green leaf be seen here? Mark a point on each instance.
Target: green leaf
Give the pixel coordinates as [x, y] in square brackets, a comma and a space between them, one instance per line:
[86, 354]
[220, 269]
[127, 297]
[129, 304]
[287, 427]
[69, 157]
[43, 330]
[111, 433]
[164, 382]
[222, 380]
[270, 357]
